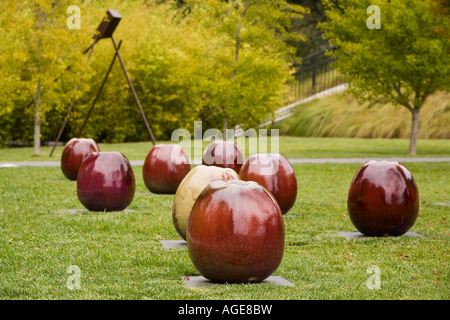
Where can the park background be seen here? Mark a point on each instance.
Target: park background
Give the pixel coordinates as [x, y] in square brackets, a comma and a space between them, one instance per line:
[227, 64]
[183, 60]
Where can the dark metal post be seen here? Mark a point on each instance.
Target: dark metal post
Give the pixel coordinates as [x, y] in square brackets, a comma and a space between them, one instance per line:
[134, 92]
[99, 91]
[72, 102]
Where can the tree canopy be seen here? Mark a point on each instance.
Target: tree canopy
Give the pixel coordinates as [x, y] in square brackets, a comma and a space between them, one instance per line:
[38, 49]
[223, 62]
[246, 61]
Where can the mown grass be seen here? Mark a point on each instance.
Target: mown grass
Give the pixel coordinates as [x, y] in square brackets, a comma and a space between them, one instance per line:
[120, 255]
[340, 115]
[291, 147]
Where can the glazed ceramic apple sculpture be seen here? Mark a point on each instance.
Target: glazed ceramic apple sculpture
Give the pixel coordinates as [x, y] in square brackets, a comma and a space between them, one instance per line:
[189, 189]
[383, 199]
[106, 182]
[235, 232]
[224, 154]
[73, 155]
[164, 168]
[274, 172]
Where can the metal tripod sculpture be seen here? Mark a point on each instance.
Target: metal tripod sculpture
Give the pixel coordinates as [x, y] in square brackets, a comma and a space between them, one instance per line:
[105, 30]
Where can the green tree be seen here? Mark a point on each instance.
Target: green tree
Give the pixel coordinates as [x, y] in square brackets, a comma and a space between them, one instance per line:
[308, 26]
[165, 70]
[224, 62]
[7, 75]
[403, 62]
[156, 50]
[245, 60]
[41, 47]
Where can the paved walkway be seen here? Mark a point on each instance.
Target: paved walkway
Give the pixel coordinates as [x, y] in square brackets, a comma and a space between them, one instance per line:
[328, 160]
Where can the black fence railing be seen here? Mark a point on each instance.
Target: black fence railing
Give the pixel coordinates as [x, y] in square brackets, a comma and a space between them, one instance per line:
[317, 73]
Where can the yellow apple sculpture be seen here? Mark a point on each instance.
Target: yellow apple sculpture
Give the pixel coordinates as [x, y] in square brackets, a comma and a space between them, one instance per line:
[191, 187]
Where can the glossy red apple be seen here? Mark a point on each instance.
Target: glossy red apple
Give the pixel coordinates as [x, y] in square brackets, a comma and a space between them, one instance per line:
[224, 154]
[73, 155]
[235, 232]
[383, 199]
[164, 168]
[106, 182]
[274, 172]
[189, 189]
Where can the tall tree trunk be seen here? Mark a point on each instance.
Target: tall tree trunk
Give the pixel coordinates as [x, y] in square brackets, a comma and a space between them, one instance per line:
[37, 121]
[225, 124]
[37, 105]
[237, 47]
[226, 117]
[414, 131]
[237, 40]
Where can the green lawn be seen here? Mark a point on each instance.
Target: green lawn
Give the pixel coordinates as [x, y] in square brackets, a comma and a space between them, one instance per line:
[291, 147]
[120, 255]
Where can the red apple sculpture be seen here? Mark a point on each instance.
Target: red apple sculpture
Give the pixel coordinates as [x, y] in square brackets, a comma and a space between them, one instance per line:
[274, 172]
[106, 182]
[224, 154]
[235, 232]
[73, 155]
[383, 199]
[189, 189]
[164, 168]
